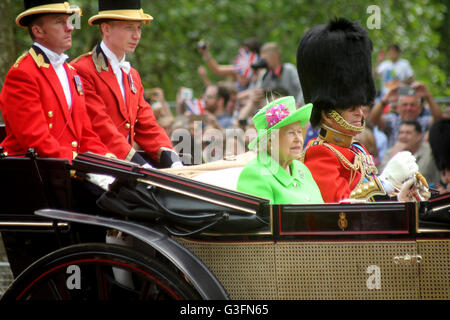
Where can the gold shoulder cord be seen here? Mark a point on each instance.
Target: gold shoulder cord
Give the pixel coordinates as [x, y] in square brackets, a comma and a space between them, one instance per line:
[362, 190]
[357, 165]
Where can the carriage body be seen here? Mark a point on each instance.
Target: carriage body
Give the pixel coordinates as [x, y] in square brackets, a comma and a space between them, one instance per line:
[245, 248]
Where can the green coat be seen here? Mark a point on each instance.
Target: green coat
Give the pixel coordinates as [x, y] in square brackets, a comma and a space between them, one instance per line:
[267, 179]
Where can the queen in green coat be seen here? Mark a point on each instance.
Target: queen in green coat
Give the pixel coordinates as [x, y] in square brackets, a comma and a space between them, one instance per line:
[276, 173]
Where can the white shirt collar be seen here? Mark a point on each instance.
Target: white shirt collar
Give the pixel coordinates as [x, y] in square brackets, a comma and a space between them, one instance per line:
[55, 59]
[114, 62]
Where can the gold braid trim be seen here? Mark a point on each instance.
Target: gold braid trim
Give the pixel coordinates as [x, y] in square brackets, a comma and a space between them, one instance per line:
[357, 165]
[344, 124]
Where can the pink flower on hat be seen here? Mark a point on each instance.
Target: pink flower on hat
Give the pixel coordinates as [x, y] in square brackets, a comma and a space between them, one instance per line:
[275, 114]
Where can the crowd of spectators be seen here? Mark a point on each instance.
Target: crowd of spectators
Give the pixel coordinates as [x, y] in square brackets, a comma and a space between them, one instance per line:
[400, 119]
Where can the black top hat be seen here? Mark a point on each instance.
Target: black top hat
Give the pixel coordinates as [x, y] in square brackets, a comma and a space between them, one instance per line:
[120, 10]
[334, 67]
[37, 7]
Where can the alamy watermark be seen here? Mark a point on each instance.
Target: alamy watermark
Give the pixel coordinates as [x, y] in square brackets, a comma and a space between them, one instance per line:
[75, 18]
[374, 20]
[374, 280]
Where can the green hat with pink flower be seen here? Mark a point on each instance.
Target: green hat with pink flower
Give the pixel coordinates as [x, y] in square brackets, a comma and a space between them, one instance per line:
[277, 114]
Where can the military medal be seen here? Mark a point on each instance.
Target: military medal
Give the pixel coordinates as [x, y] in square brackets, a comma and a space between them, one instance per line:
[78, 84]
[131, 82]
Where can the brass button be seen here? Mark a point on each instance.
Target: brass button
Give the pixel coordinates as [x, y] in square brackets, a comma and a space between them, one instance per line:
[136, 121]
[50, 125]
[74, 144]
[50, 114]
[127, 125]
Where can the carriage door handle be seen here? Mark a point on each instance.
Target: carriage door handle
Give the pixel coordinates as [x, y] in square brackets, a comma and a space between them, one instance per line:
[408, 259]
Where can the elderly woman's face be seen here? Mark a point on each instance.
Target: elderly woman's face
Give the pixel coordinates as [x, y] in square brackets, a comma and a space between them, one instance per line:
[290, 143]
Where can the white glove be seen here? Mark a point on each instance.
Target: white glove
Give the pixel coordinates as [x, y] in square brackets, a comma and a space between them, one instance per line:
[401, 167]
[101, 180]
[177, 164]
[147, 166]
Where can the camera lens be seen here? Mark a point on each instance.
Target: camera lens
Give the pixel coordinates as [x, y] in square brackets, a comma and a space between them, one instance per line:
[260, 64]
[201, 45]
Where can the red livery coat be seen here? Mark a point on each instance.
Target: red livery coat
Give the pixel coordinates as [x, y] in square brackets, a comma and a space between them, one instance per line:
[36, 113]
[117, 123]
[334, 178]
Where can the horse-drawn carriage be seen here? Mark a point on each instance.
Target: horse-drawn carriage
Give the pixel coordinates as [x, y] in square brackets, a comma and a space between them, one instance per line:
[185, 239]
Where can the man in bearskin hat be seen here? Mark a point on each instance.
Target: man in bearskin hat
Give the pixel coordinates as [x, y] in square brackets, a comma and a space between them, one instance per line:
[114, 92]
[42, 99]
[334, 67]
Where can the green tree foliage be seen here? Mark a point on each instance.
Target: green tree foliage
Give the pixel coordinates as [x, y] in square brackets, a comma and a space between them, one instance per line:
[167, 55]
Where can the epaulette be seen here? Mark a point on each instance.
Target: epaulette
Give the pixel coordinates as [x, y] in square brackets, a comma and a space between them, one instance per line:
[16, 64]
[39, 57]
[89, 53]
[100, 59]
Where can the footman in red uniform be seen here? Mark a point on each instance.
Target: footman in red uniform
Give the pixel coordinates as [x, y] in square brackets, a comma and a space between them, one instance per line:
[114, 91]
[42, 99]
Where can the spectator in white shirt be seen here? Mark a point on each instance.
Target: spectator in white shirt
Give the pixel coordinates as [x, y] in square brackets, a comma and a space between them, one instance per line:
[393, 70]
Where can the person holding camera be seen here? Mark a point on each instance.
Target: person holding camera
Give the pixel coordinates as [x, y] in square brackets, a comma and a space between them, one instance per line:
[393, 70]
[240, 70]
[408, 108]
[278, 74]
[114, 91]
[161, 110]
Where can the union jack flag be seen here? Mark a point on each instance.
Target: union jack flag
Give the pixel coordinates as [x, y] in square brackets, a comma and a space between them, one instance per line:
[243, 62]
[195, 106]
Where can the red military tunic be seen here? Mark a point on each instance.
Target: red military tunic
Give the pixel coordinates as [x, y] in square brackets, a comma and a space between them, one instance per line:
[117, 122]
[36, 113]
[335, 170]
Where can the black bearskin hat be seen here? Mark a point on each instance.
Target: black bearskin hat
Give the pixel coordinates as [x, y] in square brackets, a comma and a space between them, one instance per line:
[439, 139]
[335, 67]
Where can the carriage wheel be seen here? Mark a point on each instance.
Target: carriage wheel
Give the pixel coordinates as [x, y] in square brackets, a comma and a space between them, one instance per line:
[90, 272]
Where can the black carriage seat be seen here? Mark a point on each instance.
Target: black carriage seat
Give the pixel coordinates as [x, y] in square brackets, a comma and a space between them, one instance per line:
[180, 214]
[29, 184]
